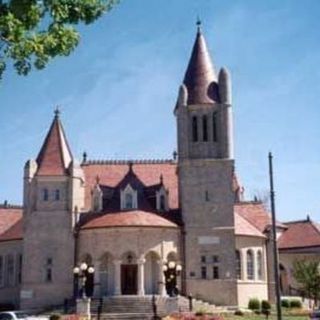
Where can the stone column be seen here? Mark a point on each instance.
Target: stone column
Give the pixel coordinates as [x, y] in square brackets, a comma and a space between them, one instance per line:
[141, 263]
[162, 279]
[117, 277]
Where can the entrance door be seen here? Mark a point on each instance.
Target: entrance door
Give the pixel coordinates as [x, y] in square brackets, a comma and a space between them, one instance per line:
[129, 274]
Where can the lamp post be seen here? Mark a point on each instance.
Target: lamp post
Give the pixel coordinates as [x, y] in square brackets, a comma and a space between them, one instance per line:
[85, 275]
[171, 271]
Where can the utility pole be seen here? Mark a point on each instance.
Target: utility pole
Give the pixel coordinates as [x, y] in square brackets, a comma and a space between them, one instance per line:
[274, 241]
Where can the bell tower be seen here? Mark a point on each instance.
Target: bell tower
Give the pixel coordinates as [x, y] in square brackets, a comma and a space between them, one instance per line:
[205, 165]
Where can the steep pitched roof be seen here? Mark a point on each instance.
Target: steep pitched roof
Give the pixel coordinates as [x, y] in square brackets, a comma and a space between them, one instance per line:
[300, 234]
[200, 77]
[55, 155]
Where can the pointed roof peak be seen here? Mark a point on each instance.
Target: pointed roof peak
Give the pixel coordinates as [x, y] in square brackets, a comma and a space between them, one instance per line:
[200, 77]
[55, 155]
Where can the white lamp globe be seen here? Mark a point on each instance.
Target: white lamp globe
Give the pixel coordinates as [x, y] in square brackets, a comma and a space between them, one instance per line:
[76, 270]
[91, 270]
[179, 267]
[171, 264]
[164, 268]
[83, 266]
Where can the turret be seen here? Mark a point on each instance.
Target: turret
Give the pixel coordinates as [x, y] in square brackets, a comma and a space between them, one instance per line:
[225, 86]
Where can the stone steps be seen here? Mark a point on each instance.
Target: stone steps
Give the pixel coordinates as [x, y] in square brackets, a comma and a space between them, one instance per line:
[125, 316]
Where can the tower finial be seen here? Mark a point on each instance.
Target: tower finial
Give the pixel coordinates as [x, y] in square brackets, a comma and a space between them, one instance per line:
[57, 111]
[198, 23]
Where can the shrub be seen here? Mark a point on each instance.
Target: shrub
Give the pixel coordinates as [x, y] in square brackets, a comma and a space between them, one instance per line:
[285, 303]
[265, 305]
[295, 303]
[55, 317]
[239, 313]
[254, 304]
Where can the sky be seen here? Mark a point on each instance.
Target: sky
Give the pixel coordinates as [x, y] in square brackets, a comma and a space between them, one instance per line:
[117, 92]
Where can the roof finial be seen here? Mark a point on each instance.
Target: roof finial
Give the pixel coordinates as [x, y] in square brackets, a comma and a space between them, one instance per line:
[57, 111]
[198, 23]
[84, 157]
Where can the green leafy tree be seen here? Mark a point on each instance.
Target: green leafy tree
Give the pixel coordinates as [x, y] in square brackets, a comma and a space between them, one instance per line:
[32, 32]
[307, 274]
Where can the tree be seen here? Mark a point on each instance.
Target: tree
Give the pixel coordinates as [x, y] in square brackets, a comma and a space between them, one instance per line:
[307, 274]
[32, 32]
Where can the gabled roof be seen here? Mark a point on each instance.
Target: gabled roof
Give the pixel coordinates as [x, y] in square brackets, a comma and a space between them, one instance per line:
[300, 234]
[245, 228]
[55, 155]
[144, 174]
[200, 77]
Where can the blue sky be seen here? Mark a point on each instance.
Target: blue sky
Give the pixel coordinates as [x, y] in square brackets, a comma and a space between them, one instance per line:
[118, 89]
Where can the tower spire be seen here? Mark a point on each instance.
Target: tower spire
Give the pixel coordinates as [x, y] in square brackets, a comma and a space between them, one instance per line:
[55, 154]
[200, 78]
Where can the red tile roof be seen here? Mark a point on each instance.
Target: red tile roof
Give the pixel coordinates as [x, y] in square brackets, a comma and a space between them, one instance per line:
[10, 223]
[112, 173]
[134, 218]
[256, 214]
[15, 232]
[200, 77]
[244, 228]
[55, 155]
[8, 217]
[300, 234]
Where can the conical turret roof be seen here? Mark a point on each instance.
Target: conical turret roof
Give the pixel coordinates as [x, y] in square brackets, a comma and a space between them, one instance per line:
[55, 155]
[200, 77]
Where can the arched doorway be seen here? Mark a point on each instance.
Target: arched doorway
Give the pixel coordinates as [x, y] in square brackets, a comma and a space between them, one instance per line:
[106, 275]
[129, 274]
[152, 273]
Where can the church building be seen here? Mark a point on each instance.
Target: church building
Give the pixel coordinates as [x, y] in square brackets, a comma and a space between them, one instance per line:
[131, 220]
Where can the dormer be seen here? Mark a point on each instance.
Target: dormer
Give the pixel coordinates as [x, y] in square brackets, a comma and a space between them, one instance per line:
[129, 198]
[162, 199]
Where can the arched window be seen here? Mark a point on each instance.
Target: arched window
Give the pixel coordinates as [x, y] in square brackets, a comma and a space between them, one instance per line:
[128, 201]
[194, 129]
[250, 265]
[259, 265]
[162, 202]
[214, 127]
[10, 270]
[45, 194]
[238, 264]
[57, 195]
[204, 128]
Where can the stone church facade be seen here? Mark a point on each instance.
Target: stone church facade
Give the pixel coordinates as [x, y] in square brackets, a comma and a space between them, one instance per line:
[129, 219]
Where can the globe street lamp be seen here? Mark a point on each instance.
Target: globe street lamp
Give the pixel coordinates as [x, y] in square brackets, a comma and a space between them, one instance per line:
[85, 275]
[171, 271]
